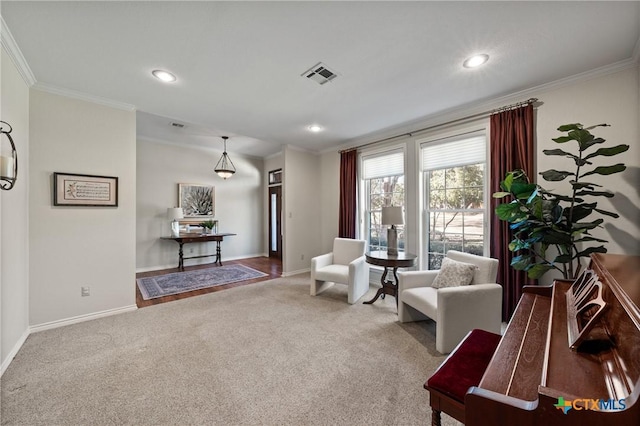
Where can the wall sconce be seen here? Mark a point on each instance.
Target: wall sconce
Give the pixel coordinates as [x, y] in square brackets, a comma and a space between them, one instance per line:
[225, 168]
[8, 165]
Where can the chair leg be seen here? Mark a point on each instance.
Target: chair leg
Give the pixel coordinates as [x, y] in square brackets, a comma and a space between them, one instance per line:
[318, 286]
[435, 417]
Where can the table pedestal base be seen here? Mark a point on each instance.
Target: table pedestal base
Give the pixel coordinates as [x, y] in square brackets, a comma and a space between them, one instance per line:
[388, 287]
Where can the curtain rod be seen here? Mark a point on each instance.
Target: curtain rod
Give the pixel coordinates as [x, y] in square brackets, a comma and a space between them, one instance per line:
[457, 120]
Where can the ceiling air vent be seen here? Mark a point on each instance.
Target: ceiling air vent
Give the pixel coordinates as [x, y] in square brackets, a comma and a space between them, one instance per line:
[320, 73]
[178, 125]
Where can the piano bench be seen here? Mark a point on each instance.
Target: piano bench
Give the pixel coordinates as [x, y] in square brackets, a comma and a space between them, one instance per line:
[463, 368]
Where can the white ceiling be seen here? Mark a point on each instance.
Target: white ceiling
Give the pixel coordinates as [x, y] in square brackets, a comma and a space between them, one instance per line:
[239, 64]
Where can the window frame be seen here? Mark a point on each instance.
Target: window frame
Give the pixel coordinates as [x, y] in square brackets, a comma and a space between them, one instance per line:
[424, 176]
[365, 197]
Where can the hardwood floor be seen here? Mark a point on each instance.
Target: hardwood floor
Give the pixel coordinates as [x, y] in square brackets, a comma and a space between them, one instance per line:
[268, 265]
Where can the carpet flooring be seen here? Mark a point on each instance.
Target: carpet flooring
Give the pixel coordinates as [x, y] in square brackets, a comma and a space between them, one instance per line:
[181, 282]
[260, 354]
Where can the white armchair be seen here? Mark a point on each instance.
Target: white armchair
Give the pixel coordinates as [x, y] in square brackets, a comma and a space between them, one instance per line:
[344, 265]
[456, 310]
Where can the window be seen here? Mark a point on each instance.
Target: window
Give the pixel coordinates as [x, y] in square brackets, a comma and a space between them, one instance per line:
[275, 177]
[383, 185]
[454, 175]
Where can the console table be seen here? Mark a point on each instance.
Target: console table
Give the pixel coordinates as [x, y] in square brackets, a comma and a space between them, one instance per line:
[393, 262]
[183, 239]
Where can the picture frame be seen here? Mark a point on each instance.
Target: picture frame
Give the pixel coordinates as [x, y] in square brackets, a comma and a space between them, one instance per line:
[72, 189]
[197, 201]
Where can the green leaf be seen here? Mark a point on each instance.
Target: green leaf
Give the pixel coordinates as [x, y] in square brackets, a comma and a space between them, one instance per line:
[559, 152]
[500, 194]
[556, 175]
[606, 170]
[587, 252]
[585, 239]
[538, 270]
[608, 152]
[563, 258]
[598, 125]
[533, 196]
[520, 262]
[580, 185]
[556, 237]
[582, 136]
[607, 213]
[507, 210]
[587, 225]
[567, 127]
[507, 182]
[523, 190]
[580, 211]
[591, 142]
[596, 193]
[560, 197]
[562, 139]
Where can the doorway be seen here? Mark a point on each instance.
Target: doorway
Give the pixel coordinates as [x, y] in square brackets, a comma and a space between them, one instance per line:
[275, 221]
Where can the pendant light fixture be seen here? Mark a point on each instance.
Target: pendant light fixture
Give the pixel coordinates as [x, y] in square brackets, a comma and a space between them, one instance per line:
[225, 168]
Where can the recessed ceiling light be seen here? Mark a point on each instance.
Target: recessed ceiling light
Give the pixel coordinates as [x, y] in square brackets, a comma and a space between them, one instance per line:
[165, 76]
[475, 61]
[315, 128]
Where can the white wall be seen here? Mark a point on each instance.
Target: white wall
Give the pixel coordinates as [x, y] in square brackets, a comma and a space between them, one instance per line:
[302, 219]
[612, 98]
[238, 203]
[329, 205]
[72, 247]
[14, 217]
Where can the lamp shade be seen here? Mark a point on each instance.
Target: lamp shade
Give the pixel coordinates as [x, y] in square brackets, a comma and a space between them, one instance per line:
[392, 215]
[175, 213]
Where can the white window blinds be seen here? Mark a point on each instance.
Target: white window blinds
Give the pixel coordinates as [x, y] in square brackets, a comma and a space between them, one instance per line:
[390, 163]
[454, 152]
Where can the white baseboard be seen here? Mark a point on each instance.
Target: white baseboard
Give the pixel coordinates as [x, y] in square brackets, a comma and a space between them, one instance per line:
[56, 324]
[81, 318]
[299, 271]
[14, 352]
[196, 262]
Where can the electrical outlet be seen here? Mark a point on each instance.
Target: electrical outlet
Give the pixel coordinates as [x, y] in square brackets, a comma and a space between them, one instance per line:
[302, 257]
[190, 250]
[85, 291]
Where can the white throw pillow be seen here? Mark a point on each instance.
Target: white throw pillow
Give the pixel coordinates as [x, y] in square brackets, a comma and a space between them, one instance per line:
[453, 273]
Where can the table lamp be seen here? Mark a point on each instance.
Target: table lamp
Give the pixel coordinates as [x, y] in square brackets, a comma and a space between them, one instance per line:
[174, 214]
[392, 216]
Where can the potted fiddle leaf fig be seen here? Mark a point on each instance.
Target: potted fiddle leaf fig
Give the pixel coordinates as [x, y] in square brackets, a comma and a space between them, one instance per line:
[540, 219]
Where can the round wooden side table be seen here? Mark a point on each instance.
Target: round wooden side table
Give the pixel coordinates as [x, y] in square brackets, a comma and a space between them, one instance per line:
[393, 262]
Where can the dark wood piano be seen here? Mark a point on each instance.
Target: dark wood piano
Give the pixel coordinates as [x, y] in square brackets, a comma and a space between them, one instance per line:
[536, 378]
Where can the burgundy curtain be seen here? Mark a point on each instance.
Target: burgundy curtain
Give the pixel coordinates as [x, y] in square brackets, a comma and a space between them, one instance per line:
[348, 185]
[511, 148]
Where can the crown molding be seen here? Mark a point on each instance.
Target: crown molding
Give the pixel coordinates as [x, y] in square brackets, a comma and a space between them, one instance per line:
[172, 143]
[274, 155]
[301, 149]
[11, 47]
[69, 93]
[481, 106]
[182, 145]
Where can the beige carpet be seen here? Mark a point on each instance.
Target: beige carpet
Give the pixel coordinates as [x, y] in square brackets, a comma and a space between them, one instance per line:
[262, 354]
